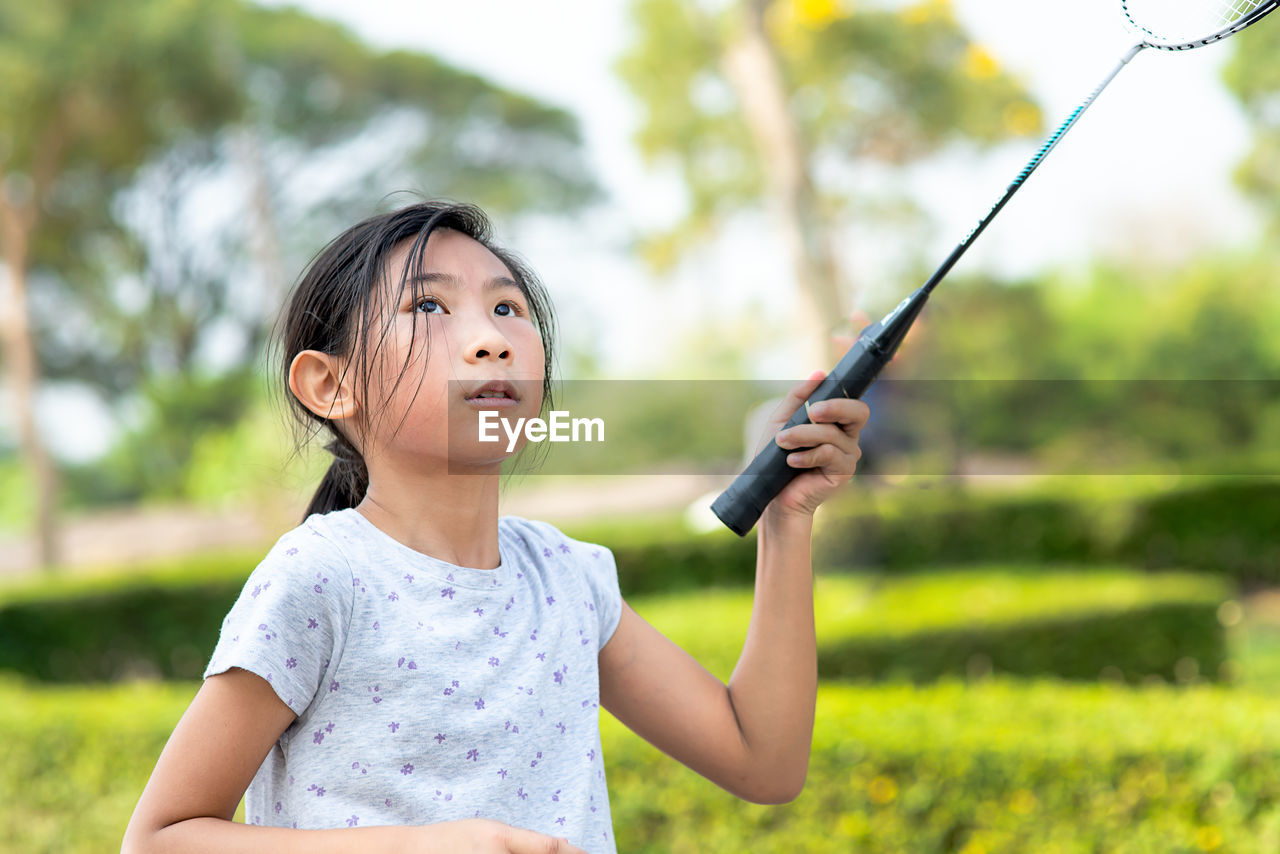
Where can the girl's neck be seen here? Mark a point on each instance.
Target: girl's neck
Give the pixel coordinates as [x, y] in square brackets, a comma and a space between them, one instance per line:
[452, 518]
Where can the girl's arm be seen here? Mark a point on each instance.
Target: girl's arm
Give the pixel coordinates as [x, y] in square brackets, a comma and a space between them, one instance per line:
[215, 750]
[751, 737]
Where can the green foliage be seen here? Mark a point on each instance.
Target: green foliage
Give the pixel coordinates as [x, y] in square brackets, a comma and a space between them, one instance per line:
[1075, 624]
[76, 759]
[17, 501]
[1123, 370]
[317, 84]
[914, 527]
[153, 459]
[1252, 76]
[875, 83]
[164, 622]
[1000, 767]
[659, 553]
[253, 459]
[91, 90]
[116, 119]
[1224, 527]
[161, 622]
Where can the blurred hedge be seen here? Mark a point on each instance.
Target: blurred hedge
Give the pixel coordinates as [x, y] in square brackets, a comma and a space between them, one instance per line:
[1026, 621]
[1030, 621]
[996, 767]
[163, 620]
[1222, 526]
[660, 554]
[75, 759]
[159, 622]
[1225, 527]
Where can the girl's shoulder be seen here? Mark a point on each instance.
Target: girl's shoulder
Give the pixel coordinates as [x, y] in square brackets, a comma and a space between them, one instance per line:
[534, 532]
[545, 545]
[320, 543]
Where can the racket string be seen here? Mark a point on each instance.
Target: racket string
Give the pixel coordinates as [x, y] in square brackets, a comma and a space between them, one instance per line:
[1182, 21]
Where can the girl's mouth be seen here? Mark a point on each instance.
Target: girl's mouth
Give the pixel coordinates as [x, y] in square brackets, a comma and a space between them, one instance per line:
[494, 395]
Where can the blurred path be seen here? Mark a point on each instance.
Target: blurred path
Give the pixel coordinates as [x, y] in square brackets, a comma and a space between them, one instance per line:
[110, 539]
[143, 534]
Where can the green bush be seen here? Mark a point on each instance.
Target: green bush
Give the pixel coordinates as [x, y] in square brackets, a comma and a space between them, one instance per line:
[997, 767]
[74, 760]
[1075, 624]
[1068, 622]
[1222, 527]
[661, 554]
[1226, 527]
[163, 621]
[159, 622]
[947, 524]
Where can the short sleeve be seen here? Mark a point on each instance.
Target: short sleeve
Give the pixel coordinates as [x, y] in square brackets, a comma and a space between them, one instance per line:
[291, 618]
[602, 580]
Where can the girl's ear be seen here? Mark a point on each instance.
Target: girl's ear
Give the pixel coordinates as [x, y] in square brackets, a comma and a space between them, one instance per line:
[323, 384]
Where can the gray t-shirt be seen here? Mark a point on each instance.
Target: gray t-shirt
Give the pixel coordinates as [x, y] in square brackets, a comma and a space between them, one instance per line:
[426, 691]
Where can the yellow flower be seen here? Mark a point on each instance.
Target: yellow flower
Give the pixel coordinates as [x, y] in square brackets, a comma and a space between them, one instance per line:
[1208, 838]
[1022, 802]
[882, 790]
[851, 825]
[1021, 118]
[816, 14]
[979, 63]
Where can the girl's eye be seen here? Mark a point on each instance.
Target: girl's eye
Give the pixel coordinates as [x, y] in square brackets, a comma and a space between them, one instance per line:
[431, 305]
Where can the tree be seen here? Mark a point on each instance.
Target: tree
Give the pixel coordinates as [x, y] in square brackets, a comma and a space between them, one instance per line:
[90, 89]
[1253, 75]
[774, 101]
[102, 97]
[320, 102]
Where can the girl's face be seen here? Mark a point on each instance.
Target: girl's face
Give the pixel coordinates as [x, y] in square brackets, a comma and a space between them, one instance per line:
[476, 322]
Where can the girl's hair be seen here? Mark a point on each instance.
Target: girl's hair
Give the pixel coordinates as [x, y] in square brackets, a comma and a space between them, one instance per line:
[335, 309]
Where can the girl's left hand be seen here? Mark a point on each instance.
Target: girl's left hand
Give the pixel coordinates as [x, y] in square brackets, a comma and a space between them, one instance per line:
[831, 439]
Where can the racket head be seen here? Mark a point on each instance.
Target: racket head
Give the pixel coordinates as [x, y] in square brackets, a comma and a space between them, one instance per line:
[1187, 24]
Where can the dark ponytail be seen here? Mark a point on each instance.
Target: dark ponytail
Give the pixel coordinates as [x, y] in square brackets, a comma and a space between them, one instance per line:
[344, 484]
[334, 309]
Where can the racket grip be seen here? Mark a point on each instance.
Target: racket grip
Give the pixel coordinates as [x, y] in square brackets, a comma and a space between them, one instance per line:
[740, 506]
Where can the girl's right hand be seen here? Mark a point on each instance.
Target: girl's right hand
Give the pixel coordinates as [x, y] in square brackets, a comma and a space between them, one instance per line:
[484, 836]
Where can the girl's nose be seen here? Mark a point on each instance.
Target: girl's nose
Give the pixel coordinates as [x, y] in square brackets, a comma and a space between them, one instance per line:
[484, 354]
[488, 342]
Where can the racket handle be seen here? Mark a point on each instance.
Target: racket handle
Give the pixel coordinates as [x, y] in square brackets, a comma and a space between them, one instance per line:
[740, 506]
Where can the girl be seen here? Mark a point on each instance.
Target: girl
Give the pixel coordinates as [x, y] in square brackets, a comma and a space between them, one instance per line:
[409, 672]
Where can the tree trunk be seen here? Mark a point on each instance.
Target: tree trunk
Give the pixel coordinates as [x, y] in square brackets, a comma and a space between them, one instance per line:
[265, 237]
[752, 68]
[24, 376]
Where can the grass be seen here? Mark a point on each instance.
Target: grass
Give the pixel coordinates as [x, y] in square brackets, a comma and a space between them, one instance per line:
[999, 766]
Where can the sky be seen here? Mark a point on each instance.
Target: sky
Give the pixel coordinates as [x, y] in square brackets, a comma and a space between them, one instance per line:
[1147, 168]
